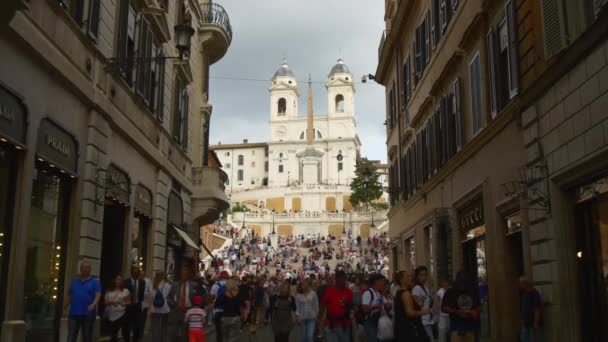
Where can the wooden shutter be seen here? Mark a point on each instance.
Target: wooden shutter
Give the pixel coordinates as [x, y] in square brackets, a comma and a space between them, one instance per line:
[436, 22]
[427, 38]
[443, 20]
[148, 64]
[429, 148]
[434, 39]
[418, 55]
[451, 145]
[458, 116]
[77, 11]
[93, 22]
[513, 49]
[123, 22]
[141, 41]
[492, 60]
[554, 27]
[420, 161]
[431, 145]
[406, 82]
[423, 155]
[437, 141]
[185, 117]
[476, 101]
[160, 107]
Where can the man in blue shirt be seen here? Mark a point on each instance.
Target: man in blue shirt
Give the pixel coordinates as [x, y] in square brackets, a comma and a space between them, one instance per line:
[83, 297]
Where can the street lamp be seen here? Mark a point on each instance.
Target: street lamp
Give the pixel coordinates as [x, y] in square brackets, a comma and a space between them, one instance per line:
[273, 232]
[343, 222]
[373, 226]
[288, 173]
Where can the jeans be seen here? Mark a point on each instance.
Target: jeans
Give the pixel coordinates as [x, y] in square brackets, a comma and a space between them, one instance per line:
[78, 323]
[428, 329]
[337, 335]
[159, 326]
[371, 330]
[121, 324]
[217, 319]
[308, 330]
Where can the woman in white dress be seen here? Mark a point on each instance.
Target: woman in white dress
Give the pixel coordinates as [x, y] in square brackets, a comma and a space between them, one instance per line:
[116, 301]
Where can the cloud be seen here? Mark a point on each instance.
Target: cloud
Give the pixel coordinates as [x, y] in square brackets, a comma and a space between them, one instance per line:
[312, 34]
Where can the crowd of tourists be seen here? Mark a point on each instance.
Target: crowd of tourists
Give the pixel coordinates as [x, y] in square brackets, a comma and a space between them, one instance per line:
[288, 285]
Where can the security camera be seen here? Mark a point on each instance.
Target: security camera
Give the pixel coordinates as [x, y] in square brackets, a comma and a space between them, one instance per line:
[363, 79]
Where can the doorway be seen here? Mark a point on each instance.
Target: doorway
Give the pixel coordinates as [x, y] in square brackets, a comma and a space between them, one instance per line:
[474, 262]
[591, 235]
[112, 247]
[8, 167]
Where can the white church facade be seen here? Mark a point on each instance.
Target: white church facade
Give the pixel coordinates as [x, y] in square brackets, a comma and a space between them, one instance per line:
[300, 178]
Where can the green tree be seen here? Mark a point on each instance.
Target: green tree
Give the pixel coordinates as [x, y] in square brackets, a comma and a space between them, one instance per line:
[365, 187]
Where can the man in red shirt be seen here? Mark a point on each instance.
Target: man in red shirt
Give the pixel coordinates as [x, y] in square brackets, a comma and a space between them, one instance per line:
[335, 313]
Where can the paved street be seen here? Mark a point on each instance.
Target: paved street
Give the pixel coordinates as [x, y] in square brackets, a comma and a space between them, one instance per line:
[264, 335]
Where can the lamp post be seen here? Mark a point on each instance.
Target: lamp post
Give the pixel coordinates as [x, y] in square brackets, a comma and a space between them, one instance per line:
[288, 173]
[343, 222]
[273, 232]
[373, 226]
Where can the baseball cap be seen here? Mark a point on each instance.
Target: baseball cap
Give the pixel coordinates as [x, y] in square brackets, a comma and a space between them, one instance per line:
[197, 300]
[224, 274]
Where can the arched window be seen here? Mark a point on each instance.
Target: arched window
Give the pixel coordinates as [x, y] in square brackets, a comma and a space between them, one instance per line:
[339, 103]
[282, 105]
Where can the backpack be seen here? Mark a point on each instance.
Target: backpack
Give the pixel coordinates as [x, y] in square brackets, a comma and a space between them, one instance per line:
[159, 299]
[221, 293]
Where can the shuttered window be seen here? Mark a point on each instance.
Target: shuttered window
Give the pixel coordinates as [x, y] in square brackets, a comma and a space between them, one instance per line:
[424, 155]
[426, 25]
[513, 50]
[451, 136]
[432, 150]
[180, 113]
[503, 60]
[406, 82]
[93, 20]
[391, 99]
[458, 116]
[418, 54]
[475, 90]
[554, 27]
[437, 142]
[443, 15]
[435, 26]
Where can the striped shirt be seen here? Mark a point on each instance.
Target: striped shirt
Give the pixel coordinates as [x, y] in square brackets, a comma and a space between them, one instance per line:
[195, 318]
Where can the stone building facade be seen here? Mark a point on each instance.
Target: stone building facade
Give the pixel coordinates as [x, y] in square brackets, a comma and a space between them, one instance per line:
[523, 190]
[101, 142]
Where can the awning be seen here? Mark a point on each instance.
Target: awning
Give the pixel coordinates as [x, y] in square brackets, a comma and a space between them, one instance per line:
[186, 238]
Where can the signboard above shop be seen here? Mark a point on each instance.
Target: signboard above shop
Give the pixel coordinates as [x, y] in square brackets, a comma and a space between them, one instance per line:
[471, 215]
[12, 117]
[55, 145]
[118, 184]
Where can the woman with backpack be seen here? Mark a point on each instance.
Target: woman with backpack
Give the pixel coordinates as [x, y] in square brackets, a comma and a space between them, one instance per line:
[160, 308]
[424, 299]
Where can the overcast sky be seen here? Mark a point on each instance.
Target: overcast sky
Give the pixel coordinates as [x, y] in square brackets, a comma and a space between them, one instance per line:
[312, 34]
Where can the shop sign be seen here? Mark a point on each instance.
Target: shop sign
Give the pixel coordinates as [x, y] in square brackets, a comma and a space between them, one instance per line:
[118, 184]
[471, 216]
[12, 116]
[57, 146]
[175, 213]
[143, 200]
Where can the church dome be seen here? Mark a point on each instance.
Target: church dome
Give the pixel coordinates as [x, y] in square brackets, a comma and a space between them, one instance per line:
[339, 68]
[284, 71]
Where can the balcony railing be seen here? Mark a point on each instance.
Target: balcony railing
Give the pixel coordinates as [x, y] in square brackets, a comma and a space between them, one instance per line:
[381, 45]
[216, 14]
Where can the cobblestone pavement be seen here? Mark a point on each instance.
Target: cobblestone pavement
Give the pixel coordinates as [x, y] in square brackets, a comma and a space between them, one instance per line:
[265, 335]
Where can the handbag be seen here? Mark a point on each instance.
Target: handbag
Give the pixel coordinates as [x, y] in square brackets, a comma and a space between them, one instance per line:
[385, 327]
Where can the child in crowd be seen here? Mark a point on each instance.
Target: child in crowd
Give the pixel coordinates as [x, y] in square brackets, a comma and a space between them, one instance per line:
[195, 318]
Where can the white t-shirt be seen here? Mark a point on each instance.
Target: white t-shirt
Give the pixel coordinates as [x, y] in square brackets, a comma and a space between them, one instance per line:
[368, 299]
[115, 303]
[423, 293]
[444, 318]
[164, 288]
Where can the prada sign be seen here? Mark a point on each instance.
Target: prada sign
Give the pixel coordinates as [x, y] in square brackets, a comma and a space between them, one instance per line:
[118, 184]
[12, 117]
[143, 200]
[471, 216]
[57, 146]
